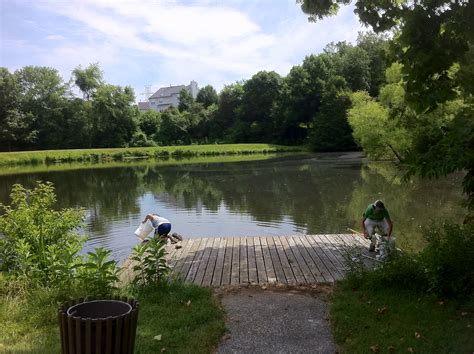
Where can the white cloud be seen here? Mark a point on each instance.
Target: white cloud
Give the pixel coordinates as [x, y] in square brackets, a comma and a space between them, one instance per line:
[168, 42]
[54, 37]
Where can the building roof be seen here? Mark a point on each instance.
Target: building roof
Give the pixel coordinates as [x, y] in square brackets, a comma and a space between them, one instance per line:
[168, 91]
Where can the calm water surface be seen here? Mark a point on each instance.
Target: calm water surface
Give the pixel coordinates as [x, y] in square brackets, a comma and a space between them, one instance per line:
[324, 193]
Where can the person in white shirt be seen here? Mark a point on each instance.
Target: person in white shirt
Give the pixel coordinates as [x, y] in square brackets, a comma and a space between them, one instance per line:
[162, 226]
[162, 229]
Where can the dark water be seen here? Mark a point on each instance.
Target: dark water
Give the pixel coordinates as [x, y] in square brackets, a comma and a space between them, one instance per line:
[279, 196]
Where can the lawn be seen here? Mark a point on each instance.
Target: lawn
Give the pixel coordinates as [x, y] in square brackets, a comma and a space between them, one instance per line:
[184, 318]
[124, 154]
[388, 321]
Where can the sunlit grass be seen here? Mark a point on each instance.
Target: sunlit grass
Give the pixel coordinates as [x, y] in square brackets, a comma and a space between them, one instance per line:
[125, 154]
[67, 166]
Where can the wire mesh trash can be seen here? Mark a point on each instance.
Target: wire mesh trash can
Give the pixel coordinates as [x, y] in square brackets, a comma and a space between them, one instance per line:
[100, 326]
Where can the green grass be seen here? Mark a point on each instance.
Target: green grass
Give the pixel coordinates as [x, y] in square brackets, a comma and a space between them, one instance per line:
[29, 323]
[388, 321]
[35, 168]
[125, 154]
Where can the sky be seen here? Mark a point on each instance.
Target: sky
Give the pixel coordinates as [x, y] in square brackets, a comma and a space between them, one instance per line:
[163, 43]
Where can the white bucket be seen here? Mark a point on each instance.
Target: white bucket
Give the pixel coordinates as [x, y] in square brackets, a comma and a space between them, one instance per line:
[144, 230]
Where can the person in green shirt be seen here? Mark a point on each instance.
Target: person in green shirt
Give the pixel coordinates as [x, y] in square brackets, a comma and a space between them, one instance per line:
[376, 215]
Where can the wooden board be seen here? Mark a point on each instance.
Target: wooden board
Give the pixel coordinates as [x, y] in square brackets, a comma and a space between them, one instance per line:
[298, 259]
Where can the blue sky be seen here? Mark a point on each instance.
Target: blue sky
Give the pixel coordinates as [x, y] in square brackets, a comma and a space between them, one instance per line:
[162, 43]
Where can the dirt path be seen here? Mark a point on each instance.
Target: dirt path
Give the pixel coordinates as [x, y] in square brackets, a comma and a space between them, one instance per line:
[277, 321]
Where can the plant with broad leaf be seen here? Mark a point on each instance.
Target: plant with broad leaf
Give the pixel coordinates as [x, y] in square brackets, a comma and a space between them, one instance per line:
[98, 273]
[39, 243]
[149, 262]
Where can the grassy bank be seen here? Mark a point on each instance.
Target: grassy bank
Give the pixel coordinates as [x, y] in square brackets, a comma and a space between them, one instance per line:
[67, 166]
[124, 154]
[187, 317]
[413, 302]
[389, 321]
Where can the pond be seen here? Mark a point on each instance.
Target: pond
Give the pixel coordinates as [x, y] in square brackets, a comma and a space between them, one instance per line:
[281, 195]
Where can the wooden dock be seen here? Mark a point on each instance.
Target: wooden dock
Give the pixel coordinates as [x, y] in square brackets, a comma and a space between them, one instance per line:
[288, 260]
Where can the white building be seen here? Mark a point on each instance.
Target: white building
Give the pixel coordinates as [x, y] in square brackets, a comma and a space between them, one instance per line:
[167, 97]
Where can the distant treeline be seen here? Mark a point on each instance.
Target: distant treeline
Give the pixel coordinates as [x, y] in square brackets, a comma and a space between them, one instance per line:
[308, 106]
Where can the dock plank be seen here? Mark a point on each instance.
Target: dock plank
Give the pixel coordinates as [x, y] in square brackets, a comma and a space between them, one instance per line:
[211, 264]
[196, 261]
[327, 247]
[297, 259]
[306, 254]
[267, 260]
[243, 266]
[325, 256]
[320, 261]
[227, 267]
[278, 268]
[235, 272]
[260, 261]
[252, 263]
[309, 277]
[295, 267]
[217, 276]
[290, 277]
[180, 270]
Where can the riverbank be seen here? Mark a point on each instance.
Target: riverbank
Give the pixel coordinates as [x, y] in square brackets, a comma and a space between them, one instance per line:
[144, 153]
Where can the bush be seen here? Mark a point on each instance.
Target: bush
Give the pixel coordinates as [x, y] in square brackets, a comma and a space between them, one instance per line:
[40, 246]
[449, 259]
[445, 267]
[150, 262]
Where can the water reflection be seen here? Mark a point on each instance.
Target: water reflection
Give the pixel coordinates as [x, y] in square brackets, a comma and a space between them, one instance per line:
[310, 194]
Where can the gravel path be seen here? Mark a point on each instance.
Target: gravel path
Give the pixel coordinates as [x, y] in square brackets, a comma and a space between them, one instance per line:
[276, 321]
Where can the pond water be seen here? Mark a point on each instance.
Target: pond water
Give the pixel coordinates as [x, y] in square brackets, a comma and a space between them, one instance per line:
[284, 195]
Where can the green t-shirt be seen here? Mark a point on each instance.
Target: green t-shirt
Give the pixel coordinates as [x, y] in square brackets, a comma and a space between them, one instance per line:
[372, 214]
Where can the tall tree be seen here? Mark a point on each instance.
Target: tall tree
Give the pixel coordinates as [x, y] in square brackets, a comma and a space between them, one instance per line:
[207, 96]
[185, 100]
[88, 80]
[433, 42]
[14, 128]
[331, 130]
[259, 104]
[42, 99]
[228, 110]
[114, 115]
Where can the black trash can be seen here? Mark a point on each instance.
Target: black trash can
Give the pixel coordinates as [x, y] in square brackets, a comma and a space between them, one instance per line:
[101, 326]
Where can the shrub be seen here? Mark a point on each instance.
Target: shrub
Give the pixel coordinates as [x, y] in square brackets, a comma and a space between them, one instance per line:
[150, 262]
[449, 259]
[98, 273]
[445, 267]
[40, 247]
[40, 243]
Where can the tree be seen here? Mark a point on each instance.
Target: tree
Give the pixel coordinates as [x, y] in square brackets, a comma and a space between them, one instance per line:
[377, 47]
[228, 110]
[434, 44]
[442, 28]
[88, 80]
[149, 122]
[185, 100]
[331, 130]
[114, 115]
[42, 99]
[207, 96]
[173, 129]
[259, 103]
[14, 128]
